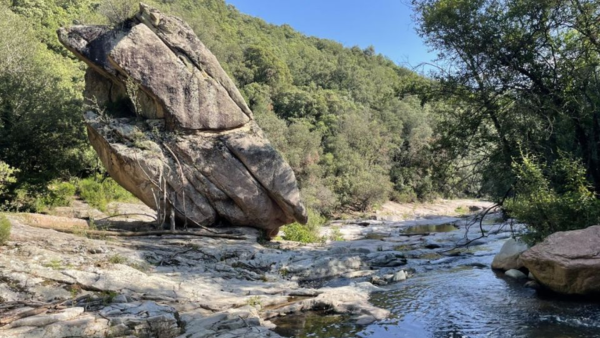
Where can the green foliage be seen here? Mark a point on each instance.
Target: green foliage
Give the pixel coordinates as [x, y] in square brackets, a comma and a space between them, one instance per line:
[336, 234]
[58, 194]
[98, 192]
[7, 177]
[5, 228]
[254, 301]
[518, 75]
[117, 259]
[334, 113]
[41, 129]
[552, 199]
[308, 233]
[54, 264]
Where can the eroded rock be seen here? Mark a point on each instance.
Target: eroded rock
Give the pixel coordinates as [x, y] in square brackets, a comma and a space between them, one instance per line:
[567, 262]
[171, 127]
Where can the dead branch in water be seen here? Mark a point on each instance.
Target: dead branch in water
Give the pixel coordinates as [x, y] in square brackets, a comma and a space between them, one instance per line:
[478, 219]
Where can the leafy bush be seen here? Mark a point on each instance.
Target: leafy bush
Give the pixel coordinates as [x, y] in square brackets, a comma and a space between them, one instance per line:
[4, 229]
[99, 192]
[557, 199]
[58, 194]
[309, 233]
[336, 234]
[6, 176]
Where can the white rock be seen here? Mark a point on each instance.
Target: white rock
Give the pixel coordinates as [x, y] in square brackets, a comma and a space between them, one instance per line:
[508, 257]
[516, 274]
[399, 276]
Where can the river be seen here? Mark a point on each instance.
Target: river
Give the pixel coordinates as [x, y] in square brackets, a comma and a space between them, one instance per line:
[457, 296]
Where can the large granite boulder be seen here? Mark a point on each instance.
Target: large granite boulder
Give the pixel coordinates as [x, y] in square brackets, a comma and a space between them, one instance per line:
[171, 127]
[567, 262]
[508, 257]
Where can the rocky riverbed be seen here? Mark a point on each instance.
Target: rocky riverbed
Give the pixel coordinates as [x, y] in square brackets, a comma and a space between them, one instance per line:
[188, 286]
[400, 278]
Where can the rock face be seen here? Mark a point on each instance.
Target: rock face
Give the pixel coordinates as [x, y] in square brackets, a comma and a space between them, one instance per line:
[567, 262]
[171, 127]
[508, 257]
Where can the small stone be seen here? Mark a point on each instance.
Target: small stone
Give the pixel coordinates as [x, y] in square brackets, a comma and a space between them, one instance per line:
[516, 274]
[399, 276]
[532, 284]
[365, 320]
[120, 299]
[376, 280]
[96, 250]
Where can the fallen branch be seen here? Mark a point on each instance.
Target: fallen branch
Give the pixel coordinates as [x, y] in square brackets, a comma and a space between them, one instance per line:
[41, 308]
[120, 215]
[103, 233]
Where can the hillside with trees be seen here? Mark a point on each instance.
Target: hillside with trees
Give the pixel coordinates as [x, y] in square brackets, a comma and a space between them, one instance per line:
[338, 115]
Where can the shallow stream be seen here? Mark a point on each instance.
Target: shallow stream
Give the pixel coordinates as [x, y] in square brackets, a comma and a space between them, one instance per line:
[457, 297]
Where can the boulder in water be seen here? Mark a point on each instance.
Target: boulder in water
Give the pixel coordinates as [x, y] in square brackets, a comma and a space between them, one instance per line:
[567, 262]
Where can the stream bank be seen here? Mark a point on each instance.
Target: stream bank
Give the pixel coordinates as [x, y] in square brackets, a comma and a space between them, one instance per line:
[400, 278]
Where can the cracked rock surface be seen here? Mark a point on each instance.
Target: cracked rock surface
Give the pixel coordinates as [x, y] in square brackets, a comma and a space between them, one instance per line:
[171, 127]
[176, 286]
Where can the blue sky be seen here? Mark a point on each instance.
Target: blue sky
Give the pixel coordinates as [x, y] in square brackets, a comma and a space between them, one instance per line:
[385, 24]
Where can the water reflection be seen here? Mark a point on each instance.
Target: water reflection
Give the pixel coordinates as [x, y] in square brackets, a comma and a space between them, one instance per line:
[315, 324]
[428, 228]
[459, 302]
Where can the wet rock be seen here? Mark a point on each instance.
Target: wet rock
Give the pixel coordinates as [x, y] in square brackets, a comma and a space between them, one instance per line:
[516, 274]
[444, 260]
[377, 280]
[476, 265]
[242, 322]
[533, 285]
[183, 130]
[567, 262]
[508, 257]
[399, 276]
[386, 259]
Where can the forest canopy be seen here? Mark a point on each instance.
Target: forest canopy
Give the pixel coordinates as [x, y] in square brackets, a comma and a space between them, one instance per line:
[523, 80]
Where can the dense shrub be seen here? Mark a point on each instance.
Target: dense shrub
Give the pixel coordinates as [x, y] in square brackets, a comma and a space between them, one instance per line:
[98, 192]
[5, 228]
[7, 177]
[59, 194]
[308, 233]
[552, 199]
